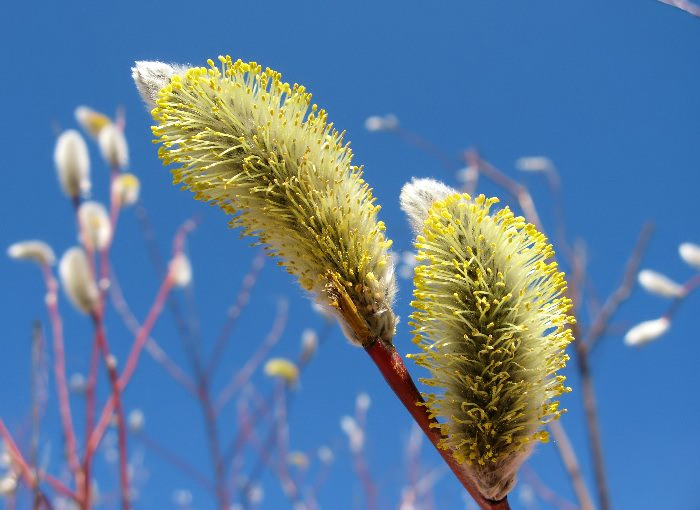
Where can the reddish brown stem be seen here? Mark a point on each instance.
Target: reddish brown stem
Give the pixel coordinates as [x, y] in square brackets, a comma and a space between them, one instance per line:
[394, 371]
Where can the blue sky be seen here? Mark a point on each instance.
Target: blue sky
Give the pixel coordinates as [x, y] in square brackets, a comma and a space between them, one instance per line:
[607, 89]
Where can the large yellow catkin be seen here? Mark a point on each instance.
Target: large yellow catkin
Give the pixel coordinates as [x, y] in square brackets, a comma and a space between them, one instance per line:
[255, 146]
[491, 320]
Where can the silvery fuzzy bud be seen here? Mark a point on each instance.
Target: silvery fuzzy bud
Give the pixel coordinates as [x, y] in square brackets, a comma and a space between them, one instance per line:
[113, 146]
[78, 281]
[180, 270]
[647, 331]
[690, 253]
[72, 163]
[95, 225]
[659, 284]
[37, 251]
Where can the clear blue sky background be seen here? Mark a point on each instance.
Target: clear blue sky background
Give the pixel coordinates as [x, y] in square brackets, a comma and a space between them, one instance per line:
[607, 89]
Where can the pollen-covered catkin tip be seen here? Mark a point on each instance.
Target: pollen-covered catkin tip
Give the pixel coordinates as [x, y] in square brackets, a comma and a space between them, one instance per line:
[491, 320]
[150, 77]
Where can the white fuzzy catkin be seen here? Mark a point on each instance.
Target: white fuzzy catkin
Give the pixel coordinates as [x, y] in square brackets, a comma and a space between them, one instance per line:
[77, 280]
[647, 331]
[34, 250]
[72, 163]
[113, 146]
[95, 225]
[181, 270]
[690, 253]
[659, 284]
[418, 196]
[534, 164]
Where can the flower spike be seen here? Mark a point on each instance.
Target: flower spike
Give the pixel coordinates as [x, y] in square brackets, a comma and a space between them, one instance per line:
[256, 147]
[491, 319]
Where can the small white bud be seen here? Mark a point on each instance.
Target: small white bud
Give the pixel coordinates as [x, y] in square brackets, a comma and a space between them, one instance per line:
[72, 163]
[181, 270]
[646, 331]
[355, 434]
[363, 402]
[468, 174]
[151, 76]
[37, 251]
[113, 146]
[690, 253]
[77, 280]
[77, 383]
[325, 455]
[95, 225]
[111, 362]
[256, 494]
[534, 164]
[659, 284]
[378, 123]
[8, 484]
[182, 497]
[309, 343]
[418, 196]
[125, 189]
[91, 121]
[136, 421]
[282, 367]
[374, 123]
[298, 459]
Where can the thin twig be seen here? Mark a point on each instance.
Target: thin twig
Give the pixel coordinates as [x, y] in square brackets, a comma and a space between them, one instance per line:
[246, 372]
[544, 492]
[622, 293]
[568, 456]
[684, 5]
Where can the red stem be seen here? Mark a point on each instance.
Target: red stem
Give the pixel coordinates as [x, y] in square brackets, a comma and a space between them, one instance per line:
[60, 374]
[394, 371]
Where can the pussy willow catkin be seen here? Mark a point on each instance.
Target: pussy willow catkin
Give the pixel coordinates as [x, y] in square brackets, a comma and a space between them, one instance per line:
[491, 319]
[255, 146]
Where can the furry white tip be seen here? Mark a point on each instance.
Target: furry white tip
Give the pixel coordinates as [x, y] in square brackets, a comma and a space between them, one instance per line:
[646, 331]
[151, 76]
[690, 253]
[418, 196]
[659, 284]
